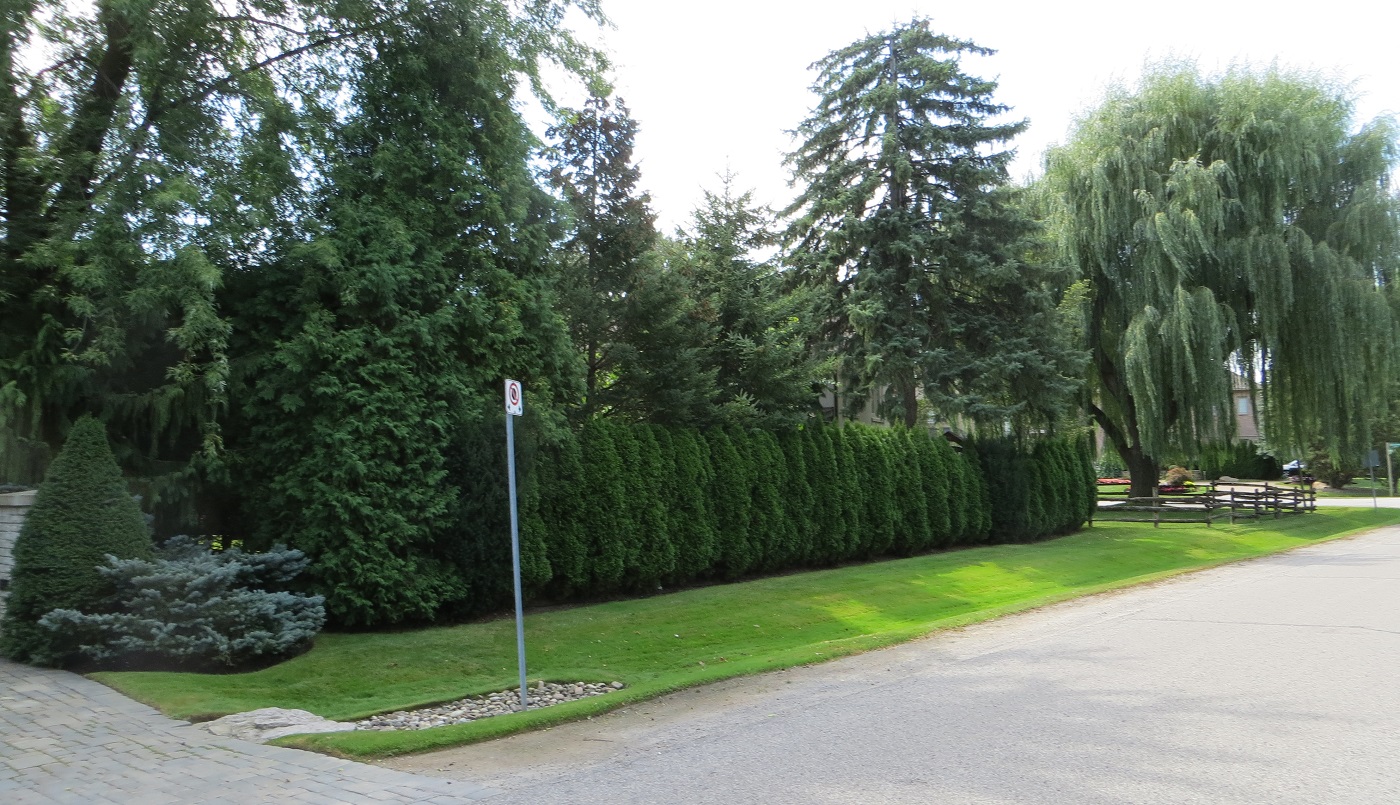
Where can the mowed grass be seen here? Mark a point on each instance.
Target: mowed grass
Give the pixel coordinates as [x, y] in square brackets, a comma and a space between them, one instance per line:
[667, 642]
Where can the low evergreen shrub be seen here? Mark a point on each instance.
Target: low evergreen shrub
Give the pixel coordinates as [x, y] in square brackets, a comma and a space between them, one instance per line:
[193, 608]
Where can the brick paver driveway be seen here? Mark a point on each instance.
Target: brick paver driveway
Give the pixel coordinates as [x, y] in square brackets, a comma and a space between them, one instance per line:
[65, 739]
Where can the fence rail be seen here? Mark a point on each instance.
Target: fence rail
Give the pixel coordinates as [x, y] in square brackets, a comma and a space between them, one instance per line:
[1235, 501]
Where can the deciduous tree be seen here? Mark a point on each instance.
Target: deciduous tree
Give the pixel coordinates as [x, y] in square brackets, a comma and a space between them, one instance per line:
[1244, 220]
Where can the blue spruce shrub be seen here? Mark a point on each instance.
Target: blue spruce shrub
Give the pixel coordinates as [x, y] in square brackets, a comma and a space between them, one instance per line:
[193, 608]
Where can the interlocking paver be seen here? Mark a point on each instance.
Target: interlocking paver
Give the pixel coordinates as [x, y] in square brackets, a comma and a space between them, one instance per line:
[66, 740]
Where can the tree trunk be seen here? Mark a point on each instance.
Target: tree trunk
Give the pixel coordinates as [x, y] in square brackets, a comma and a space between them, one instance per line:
[909, 393]
[1142, 470]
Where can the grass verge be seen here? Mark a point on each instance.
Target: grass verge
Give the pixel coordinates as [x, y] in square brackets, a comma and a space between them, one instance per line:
[657, 645]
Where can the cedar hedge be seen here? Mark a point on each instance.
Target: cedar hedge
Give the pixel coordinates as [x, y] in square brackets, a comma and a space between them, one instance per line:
[628, 508]
[625, 509]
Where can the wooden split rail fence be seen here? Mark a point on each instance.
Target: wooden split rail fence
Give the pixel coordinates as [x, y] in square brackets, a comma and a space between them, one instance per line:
[1234, 501]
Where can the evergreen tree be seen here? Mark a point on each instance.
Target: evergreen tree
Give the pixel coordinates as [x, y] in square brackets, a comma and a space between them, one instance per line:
[851, 492]
[602, 520]
[384, 331]
[1237, 221]
[149, 151]
[799, 501]
[914, 532]
[629, 315]
[82, 513]
[692, 514]
[655, 549]
[764, 369]
[732, 497]
[907, 226]
[562, 479]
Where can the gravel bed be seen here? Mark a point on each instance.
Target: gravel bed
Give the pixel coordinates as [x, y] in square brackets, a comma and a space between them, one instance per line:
[462, 711]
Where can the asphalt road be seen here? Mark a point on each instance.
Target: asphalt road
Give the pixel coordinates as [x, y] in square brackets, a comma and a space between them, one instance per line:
[1272, 681]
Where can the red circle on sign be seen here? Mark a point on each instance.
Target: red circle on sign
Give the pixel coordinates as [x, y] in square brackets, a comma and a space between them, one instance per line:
[514, 393]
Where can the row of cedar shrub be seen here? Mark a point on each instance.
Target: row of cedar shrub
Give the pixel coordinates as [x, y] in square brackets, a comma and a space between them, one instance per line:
[623, 508]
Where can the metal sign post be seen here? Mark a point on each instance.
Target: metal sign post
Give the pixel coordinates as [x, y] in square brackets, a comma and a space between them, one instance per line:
[515, 406]
[1373, 460]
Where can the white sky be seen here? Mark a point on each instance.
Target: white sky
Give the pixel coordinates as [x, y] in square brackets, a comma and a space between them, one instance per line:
[718, 83]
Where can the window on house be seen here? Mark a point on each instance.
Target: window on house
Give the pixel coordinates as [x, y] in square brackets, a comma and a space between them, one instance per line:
[1242, 406]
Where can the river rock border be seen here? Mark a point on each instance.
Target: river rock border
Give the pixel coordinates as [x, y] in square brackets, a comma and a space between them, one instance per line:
[462, 711]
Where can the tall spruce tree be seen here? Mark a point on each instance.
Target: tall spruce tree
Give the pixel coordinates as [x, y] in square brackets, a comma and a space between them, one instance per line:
[764, 368]
[1243, 221]
[906, 223]
[630, 316]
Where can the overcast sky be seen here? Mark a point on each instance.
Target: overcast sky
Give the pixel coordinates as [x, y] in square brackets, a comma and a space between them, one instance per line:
[719, 83]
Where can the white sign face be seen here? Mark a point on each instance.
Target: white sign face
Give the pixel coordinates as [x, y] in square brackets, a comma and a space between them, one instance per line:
[515, 400]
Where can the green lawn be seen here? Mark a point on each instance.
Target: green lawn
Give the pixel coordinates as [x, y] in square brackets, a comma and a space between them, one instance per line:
[667, 642]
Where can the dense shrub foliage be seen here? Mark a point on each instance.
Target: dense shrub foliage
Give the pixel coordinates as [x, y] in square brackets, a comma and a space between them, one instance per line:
[1239, 460]
[621, 509]
[625, 508]
[191, 607]
[1031, 495]
[82, 513]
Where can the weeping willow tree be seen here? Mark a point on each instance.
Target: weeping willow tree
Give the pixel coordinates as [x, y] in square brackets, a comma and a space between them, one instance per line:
[1242, 221]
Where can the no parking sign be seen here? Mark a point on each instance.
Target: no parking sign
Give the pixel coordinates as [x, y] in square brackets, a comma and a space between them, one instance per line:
[515, 406]
[515, 399]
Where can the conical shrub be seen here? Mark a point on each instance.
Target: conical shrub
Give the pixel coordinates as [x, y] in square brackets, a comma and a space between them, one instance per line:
[81, 513]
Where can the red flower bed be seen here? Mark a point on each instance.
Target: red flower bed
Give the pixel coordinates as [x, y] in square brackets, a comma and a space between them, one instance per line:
[1113, 481]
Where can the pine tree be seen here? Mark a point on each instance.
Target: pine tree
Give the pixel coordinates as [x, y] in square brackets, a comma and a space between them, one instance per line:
[1243, 220]
[907, 226]
[81, 514]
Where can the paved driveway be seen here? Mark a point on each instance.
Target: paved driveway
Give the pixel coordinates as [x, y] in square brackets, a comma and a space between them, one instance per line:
[65, 740]
[1272, 681]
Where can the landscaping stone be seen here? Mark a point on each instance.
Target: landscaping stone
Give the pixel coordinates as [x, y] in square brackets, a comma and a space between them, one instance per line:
[462, 711]
[261, 726]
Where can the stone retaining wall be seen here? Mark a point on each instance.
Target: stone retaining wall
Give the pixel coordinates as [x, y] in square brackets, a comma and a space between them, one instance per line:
[13, 508]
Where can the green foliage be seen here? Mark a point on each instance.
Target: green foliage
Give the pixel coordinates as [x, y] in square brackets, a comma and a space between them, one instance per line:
[629, 314]
[1239, 460]
[82, 513]
[829, 522]
[906, 227]
[656, 551]
[154, 151]
[194, 608]
[1038, 493]
[1242, 220]
[377, 336]
[799, 503]
[760, 330]
[732, 491]
[691, 509]
[561, 481]
[1334, 472]
[602, 518]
